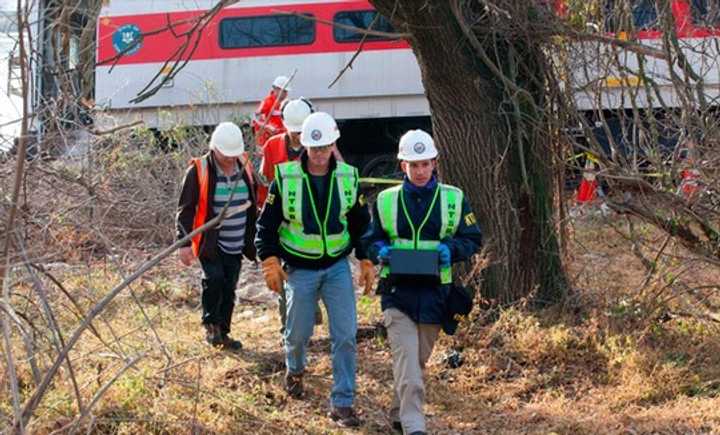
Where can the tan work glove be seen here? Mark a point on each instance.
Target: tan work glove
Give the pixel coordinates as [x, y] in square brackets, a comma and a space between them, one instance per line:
[274, 274]
[367, 276]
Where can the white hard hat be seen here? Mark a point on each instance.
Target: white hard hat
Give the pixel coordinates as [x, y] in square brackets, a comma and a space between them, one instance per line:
[228, 139]
[294, 112]
[416, 145]
[281, 82]
[319, 130]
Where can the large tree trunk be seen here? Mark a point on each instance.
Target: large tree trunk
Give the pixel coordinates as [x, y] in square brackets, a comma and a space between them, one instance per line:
[490, 141]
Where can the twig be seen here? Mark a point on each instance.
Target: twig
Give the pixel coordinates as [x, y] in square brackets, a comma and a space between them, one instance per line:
[12, 375]
[99, 394]
[198, 377]
[116, 129]
[475, 43]
[27, 340]
[22, 142]
[179, 59]
[58, 341]
[79, 314]
[33, 402]
[152, 328]
[357, 52]
[182, 363]
[621, 43]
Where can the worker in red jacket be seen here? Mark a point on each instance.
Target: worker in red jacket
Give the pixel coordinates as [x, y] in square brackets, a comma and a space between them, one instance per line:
[268, 121]
[286, 146]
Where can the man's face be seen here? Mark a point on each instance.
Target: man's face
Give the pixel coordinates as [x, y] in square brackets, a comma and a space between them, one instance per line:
[295, 139]
[420, 172]
[280, 94]
[222, 159]
[320, 156]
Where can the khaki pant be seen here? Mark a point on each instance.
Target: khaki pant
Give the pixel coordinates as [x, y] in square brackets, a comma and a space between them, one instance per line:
[411, 345]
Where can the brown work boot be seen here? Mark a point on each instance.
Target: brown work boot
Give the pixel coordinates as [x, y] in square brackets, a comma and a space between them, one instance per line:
[212, 334]
[228, 343]
[344, 416]
[294, 385]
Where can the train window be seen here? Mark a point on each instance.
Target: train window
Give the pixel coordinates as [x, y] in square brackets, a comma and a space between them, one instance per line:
[643, 14]
[362, 20]
[706, 13]
[247, 32]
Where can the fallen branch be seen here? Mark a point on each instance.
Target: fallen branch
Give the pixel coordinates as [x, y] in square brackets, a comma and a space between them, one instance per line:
[34, 400]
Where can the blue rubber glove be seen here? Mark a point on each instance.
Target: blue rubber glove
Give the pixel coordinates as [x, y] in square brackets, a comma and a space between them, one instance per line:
[384, 254]
[444, 252]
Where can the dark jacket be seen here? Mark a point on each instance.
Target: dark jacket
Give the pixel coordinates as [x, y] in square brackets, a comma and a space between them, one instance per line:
[188, 203]
[423, 304]
[268, 240]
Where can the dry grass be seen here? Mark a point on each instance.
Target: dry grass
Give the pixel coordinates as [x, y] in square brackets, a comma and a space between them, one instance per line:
[606, 362]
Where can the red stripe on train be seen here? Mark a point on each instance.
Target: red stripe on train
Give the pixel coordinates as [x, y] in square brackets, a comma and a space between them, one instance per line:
[160, 45]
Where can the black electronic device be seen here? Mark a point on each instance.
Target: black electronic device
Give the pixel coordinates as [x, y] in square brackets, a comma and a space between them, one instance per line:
[414, 264]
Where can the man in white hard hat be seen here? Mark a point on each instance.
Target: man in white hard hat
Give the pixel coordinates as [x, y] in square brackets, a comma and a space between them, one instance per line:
[281, 148]
[268, 121]
[312, 220]
[419, 215]
[211, 181]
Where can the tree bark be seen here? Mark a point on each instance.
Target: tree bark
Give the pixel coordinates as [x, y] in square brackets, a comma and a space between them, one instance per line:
[489, 133]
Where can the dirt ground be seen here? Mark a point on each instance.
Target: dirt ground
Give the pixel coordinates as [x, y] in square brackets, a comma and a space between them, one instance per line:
[603, 362]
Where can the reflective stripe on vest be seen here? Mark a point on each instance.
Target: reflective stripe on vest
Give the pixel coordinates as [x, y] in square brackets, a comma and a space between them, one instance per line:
[201, 212]
[292, 182]
[450, 210]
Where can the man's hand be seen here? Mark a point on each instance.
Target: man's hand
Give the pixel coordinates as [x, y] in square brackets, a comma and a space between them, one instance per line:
[367, 276]
[444, 256]
[186, 255]
[384, 254]
[274, 274]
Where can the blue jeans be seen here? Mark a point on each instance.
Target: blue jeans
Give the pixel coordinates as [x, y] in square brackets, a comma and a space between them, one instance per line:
[335, 287]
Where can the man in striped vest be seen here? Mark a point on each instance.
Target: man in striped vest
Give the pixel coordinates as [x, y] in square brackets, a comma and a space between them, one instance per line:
[313, 218]
[214, 181]
[420, 214]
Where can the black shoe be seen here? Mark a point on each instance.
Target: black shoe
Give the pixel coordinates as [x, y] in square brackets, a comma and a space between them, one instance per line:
[294, 385]
[397, 426]
[344, 416]
[419, 432]
[228, 343]
[212, 334]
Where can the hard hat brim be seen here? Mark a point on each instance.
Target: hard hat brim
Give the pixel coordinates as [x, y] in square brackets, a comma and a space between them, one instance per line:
[229, 152]
[325, 142]
[293, 128]
[417, 158]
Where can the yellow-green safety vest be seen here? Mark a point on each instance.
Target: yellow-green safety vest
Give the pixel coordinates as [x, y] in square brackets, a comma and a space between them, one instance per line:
[451, 199]
[294, 187]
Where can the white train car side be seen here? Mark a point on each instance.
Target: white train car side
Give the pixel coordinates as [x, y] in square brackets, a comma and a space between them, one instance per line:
[239, 53]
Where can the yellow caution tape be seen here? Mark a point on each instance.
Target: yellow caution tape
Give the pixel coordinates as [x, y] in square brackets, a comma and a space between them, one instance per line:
[380, 180]
[592, 157]
[616, 82]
